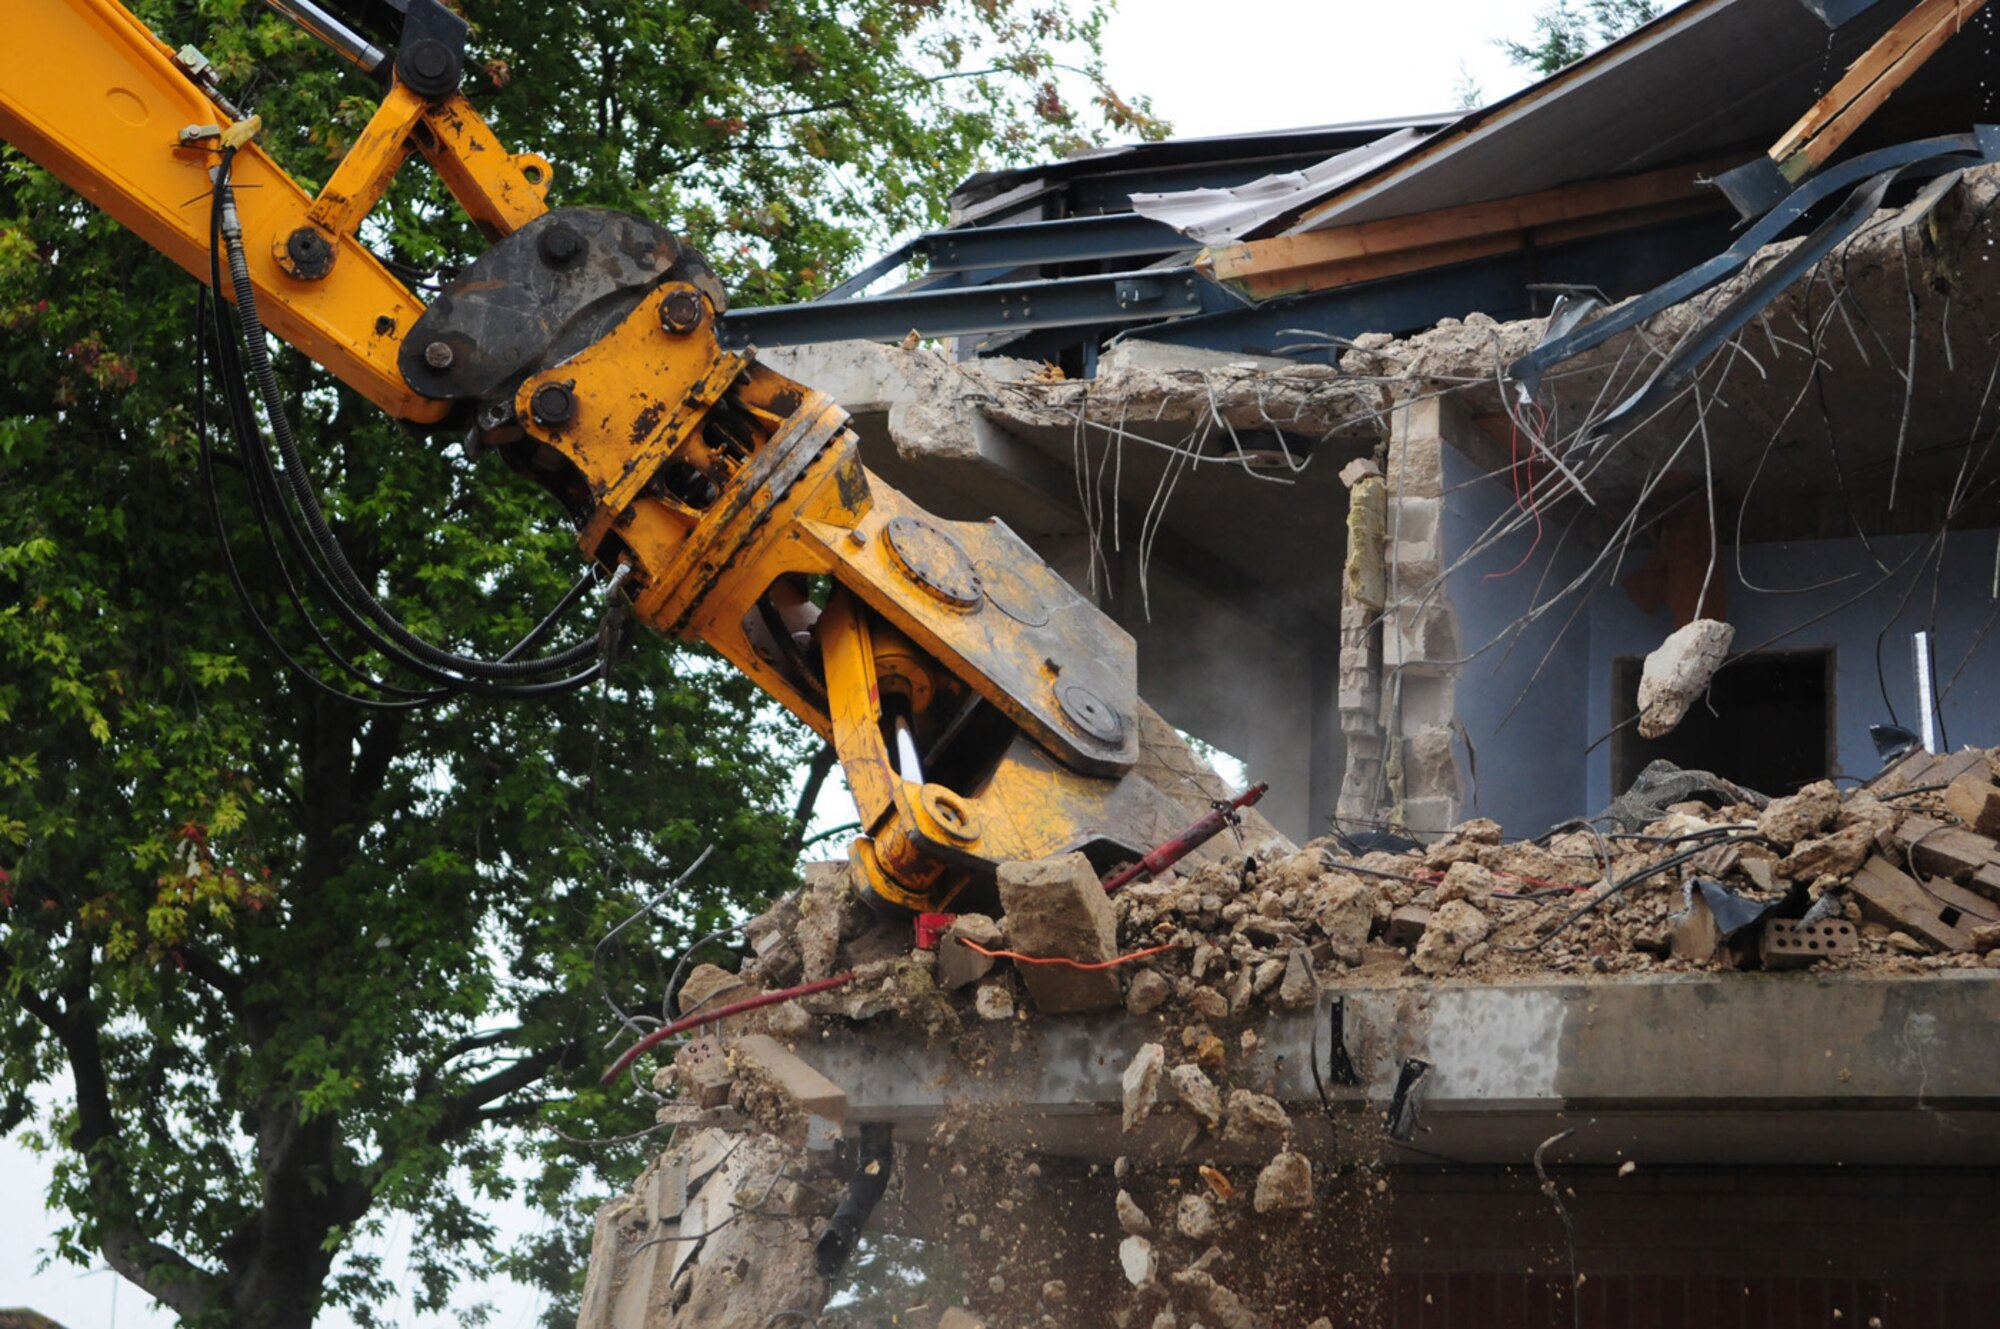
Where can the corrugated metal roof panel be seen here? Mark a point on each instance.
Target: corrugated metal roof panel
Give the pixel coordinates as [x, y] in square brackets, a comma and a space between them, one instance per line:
[1217, 216]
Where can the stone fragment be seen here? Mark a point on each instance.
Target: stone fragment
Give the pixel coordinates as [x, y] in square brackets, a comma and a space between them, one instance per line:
[1467, 881]
[709, 987]
[1135, 1257]
[1480, 830]
[1677, 672]
[1908, 945]
[1975, 800]
[1407, 925]
[957, 1317]
[1141, 1083]
[1252, 1115]
[1835, 855]
[1286, 1183]
[1453, 927]
[1211, 1052]
[1197, 1091]
[960, 966]
[1208, 1003]
[1055, 1292]
[993, 999]
[1986, 939]
[1800, 816]
[1131, 1217]
[1300, 983]
[1268, 974]
[1195, 1217]
[1146, 992]
[1057, 908]
[1345, 911]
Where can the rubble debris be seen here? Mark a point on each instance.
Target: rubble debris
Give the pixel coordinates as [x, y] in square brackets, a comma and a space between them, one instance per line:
[1455, 926]
[1197, 1092]
[1800, 816]
[1194, 1217]
[1057, 908]
[1892, 897]
[1286, 1183]
[1147, 992]
[1135, 1258]
[1677, 672]
[1975, 800]
[1252, 1115]
[780, 1092]
[1131, 1217]
[1142, 1084]
[961, 966]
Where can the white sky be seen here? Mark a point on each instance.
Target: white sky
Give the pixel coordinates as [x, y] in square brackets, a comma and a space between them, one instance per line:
[1211, 67]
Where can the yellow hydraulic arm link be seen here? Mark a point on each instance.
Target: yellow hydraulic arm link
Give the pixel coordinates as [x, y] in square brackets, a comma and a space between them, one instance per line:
[982, 710]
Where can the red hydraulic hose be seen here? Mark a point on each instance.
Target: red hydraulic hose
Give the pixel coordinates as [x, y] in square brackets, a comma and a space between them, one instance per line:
[686, 1022]
[1189, 840]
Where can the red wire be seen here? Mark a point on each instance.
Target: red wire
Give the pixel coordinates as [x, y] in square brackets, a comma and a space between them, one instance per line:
[1019, 958]
[1524, 502]
[687, 1022]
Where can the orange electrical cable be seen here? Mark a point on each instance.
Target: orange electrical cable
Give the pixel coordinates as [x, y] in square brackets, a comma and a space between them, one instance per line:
[1019, 958]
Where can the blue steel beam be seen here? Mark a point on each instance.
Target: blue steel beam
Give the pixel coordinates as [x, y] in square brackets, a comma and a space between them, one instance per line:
[1109, 299]
[1033, 244]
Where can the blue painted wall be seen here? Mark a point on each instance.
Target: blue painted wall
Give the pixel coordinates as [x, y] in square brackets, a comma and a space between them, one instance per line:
[1531, 767]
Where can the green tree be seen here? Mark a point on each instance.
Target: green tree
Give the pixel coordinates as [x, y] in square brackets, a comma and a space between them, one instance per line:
[1568, 30]
[285, 967]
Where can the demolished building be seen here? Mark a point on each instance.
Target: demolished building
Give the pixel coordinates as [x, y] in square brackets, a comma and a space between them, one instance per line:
[1400, 448]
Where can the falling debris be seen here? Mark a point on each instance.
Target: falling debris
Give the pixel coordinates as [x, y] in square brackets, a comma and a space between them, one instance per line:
[1677, 672]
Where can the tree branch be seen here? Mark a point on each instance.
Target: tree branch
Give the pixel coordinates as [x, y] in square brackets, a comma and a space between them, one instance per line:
[462, 1110]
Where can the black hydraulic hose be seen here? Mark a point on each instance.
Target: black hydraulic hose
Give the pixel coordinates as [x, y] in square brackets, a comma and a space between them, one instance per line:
[321, 533]
[266, 494]
[864, 1191]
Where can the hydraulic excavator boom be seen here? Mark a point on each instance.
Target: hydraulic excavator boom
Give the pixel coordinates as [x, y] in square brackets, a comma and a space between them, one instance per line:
[983, 711]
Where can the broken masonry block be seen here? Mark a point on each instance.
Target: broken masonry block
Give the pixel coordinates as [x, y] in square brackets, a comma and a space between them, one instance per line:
[1892, 897]
[1285, 1184]
[1406, 925]
[1141, 1084]
[1788, 944]
[1975, 800]
[1057, 909]
[782, 1093]
[701, 1072]
[710, 988]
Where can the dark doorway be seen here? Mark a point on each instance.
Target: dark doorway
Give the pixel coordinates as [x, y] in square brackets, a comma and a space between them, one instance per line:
[1767, 723]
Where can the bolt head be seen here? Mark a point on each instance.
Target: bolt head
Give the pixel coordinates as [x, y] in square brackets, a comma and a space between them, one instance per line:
[438, 355]
[560, 246]
[680, 312]
[552, 404]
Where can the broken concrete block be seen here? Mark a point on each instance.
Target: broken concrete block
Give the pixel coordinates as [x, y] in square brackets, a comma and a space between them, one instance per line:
[1146, 992]
[1892, 897]
[1300, 984]
[1197, 1091]
[1252, 1115]
[1800, 816]
[1467, 881]
[960, 966]
[1453, 927]
[1131, 1217]
[1975, 800]
[780, 1092]
[1141, 1083]
[1986, 938]
[1677, 672]
[1286, 1183]
[1406, 925]
[1195, 1217]
[1057, 908]
[1135, 1257]
[1344, 909]
[1834, 855]
[993, 999]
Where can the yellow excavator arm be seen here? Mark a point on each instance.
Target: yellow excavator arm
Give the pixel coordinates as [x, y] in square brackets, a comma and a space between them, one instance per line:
[982, 710]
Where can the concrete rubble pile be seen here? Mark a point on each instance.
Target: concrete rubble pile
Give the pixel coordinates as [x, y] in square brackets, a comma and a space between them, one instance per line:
[1219, 1182]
